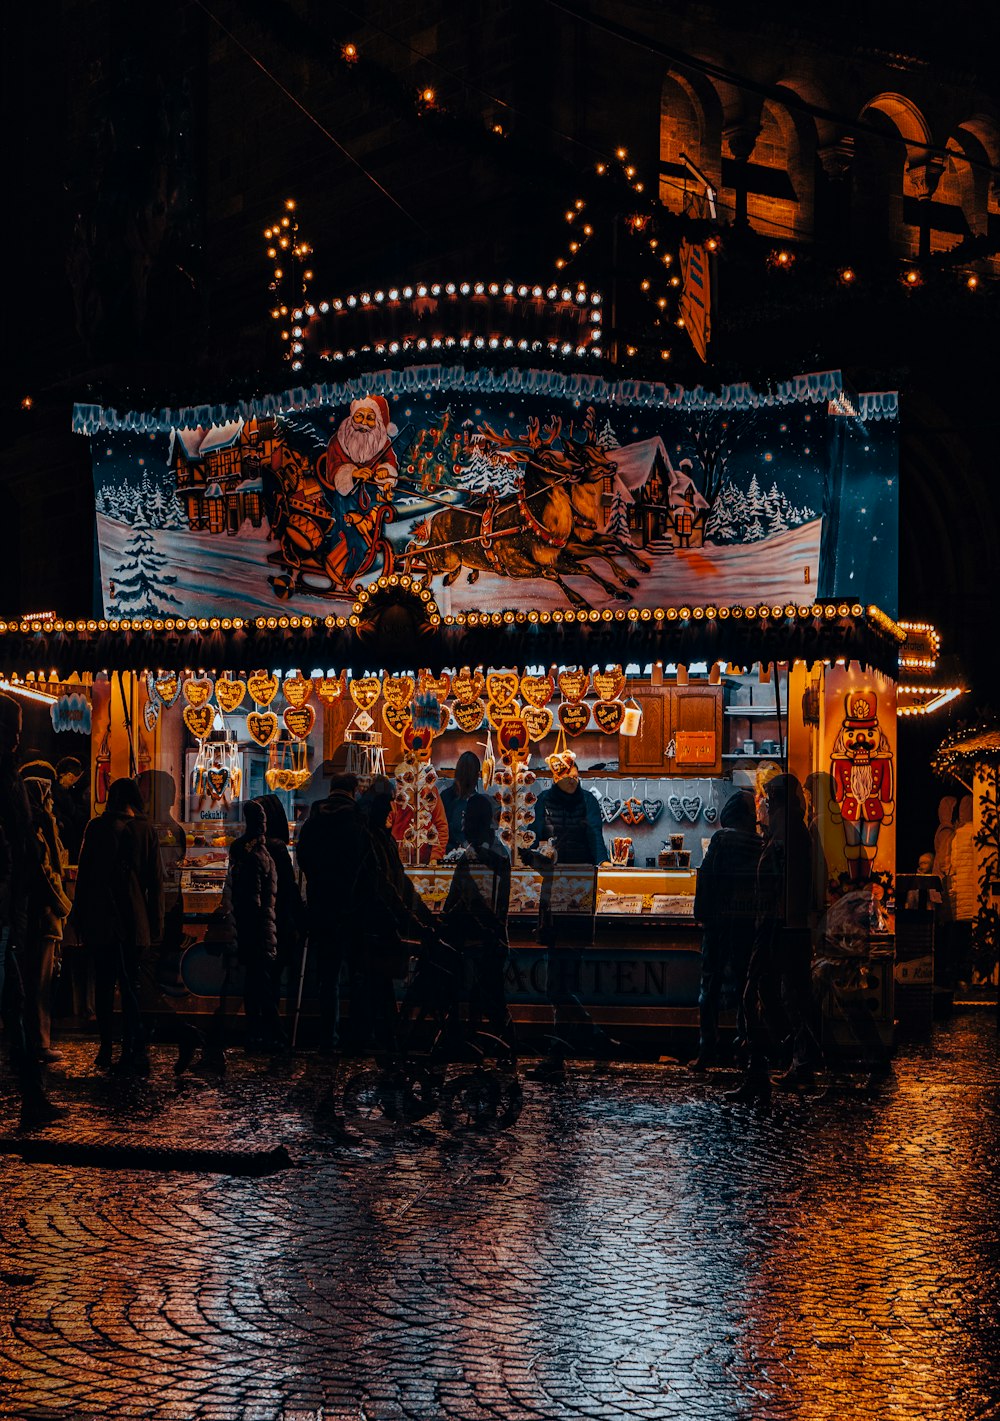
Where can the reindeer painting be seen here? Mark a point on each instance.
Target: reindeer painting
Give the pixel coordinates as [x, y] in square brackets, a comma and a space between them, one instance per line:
[549, 528]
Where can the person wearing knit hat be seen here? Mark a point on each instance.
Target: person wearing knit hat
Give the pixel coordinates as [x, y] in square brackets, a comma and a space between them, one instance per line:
[254, 888]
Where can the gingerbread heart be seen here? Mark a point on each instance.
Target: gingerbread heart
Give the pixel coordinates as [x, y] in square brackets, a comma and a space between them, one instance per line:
[609, 684]
[501, 686]
[397, 718]
[610, 809]
[262, 726]
[632, 811]
[675, 807]
[652, 809]
[513, 735]
[299, 720]
[574, 684]
[711, 813]
[263, 688]
[365, 691]
[217, 781]
[468, 715]
[574, 717]
[609, 715]
[199, 720]
[691, 805]
[230, 694]
[168, 688]
[198, 690]
[538, 719]
[418, 742]
[150, 715]
[439, 686]
[398, 690]
[466, 686]
[537, 690]
[330, 689]
[297, 689]
[499, 711]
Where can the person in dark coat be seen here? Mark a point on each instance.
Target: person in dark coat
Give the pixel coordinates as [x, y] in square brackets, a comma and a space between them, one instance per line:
[18, 866]
[118, 916]
[474, 921]
[289, 909]
[48, 909]
[253, 886]
[725, 905]
[70, 805]
[569, 817]
[456, 795]
[336, 855]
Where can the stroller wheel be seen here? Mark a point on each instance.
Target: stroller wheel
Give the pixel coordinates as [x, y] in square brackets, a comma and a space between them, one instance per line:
[472, 1101]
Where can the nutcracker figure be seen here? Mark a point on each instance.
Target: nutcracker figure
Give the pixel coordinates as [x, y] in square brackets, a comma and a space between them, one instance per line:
[861, 768]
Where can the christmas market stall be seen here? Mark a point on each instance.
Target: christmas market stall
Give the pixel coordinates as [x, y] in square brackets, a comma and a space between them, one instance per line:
[669, 594]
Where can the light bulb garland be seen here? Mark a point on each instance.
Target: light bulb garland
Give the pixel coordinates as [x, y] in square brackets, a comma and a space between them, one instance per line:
[291, 275]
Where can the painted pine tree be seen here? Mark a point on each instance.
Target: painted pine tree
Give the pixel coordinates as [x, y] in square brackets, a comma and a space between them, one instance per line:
[140, 582]
[607, 438]
[776, 519]
[755, 512]
[618, 516]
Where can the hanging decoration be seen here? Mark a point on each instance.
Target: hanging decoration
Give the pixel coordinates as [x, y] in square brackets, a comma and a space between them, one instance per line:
[399, 691]
[297, 689]
[168, 688]
[538, 720]
[439, 686]
[468, 687]
[397, 718]
[574, 717]
[468, 715]
[330, 688]
[198, 690]
[287, 767]
[150, 714]
[609, 684]
[262, 687]
[501, 687]
[299, 721]
[199, 720]
[537, 690]
[609, 716]
[365, 691]
[574, 685]
[263, 727]
[229, 693]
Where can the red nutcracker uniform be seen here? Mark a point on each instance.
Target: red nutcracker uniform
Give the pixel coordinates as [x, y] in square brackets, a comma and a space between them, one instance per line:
[863, 794]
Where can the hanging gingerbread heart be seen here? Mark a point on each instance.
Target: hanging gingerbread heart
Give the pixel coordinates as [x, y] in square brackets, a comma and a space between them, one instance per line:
[230, 694]
[198, 690]
[538, 719]
[262, 727]
[610, 809]
[262, 687]
[497, 711]
[168, 687]
[468, 715]
[537, 690]
[217, 781]
[199, 720]
[439, 686]
[609, 684]
[675, 807]
[652, 809]
[398, 690]
[365, 691]
[574, 717]
[632, 811]
[297, 689]
[574, 684]
[330, 688]
[299, 721]
[151, 714]
[418, 742]
[711, 813]
[466, 686]
[397, 718]
[609, 715]
[513, 735]
[501, 686]
[691, 805]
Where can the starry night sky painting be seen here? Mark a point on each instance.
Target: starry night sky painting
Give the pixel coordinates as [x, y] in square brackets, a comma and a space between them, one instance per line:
[522, 492]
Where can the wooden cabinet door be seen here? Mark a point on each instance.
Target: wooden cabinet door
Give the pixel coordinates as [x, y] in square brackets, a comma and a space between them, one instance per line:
[697, 708]
[643, 753]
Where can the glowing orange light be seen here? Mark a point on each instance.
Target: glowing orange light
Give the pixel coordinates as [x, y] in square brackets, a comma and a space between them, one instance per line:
[349, 53]
[621, 154]
[27, 402]
[630, 350]
[848, 275]
[972, 282]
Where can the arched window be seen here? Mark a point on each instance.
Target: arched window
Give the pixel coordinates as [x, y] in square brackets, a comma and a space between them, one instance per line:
[894, 173]
[691, 124]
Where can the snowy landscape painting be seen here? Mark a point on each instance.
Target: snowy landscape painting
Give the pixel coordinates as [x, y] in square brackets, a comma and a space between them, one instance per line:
[497, 503]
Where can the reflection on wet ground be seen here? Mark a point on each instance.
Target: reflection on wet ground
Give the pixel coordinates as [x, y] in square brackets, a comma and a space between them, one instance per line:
[633, 1247]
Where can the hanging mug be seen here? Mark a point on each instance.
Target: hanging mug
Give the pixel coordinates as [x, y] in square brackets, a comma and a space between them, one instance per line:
[632, 718]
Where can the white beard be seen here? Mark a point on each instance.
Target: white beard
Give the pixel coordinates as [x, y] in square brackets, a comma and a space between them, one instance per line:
[862, 780]
[361, 445]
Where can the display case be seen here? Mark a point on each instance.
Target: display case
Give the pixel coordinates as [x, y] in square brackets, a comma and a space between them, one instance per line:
[647, 893]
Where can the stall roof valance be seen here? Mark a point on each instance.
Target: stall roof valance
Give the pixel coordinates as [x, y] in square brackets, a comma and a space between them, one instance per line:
[395, 624]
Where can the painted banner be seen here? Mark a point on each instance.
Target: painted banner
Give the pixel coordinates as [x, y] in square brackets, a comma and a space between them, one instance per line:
[506, 493]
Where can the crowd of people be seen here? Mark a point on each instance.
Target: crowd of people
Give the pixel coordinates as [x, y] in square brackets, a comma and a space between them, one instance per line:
[361, 921]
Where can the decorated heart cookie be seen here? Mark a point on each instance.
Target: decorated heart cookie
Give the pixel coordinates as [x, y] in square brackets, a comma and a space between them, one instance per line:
[230, 694]
[397, 718]
[609, 684]
[398, 690]
[537, 690]
[199, 720]
[198, 690]
[538, 719]
[468, 715]
[466, 686]
[439, 686]
[501, 686]
[632, 811]
[686, 806]
[151, 714]
[297, 689]
[574, 717]
[711, 813]
[217, 781]
[574, 684]
[299, 721]
[168, 688]
[610, 809]
[262, 726]
[499, 711]
[330, 689]
[513, 735]
[365, 691]
[609, 715]
[652, 809]
[262, 687]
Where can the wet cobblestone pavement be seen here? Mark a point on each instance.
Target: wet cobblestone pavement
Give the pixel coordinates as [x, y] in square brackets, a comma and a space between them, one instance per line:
[633, 1247]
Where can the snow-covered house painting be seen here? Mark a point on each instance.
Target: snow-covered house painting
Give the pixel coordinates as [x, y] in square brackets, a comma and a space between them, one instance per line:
[218, 473]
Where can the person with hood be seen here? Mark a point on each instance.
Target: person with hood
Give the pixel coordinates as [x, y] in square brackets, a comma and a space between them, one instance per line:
[18, 867]
[253, 886]
[48, 908]
[118, 916]
[289, 909]
[336, 855]
[725, 906]
[456, 795]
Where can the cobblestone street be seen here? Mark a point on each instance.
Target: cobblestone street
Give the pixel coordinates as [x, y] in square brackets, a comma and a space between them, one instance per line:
[633, 1247]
